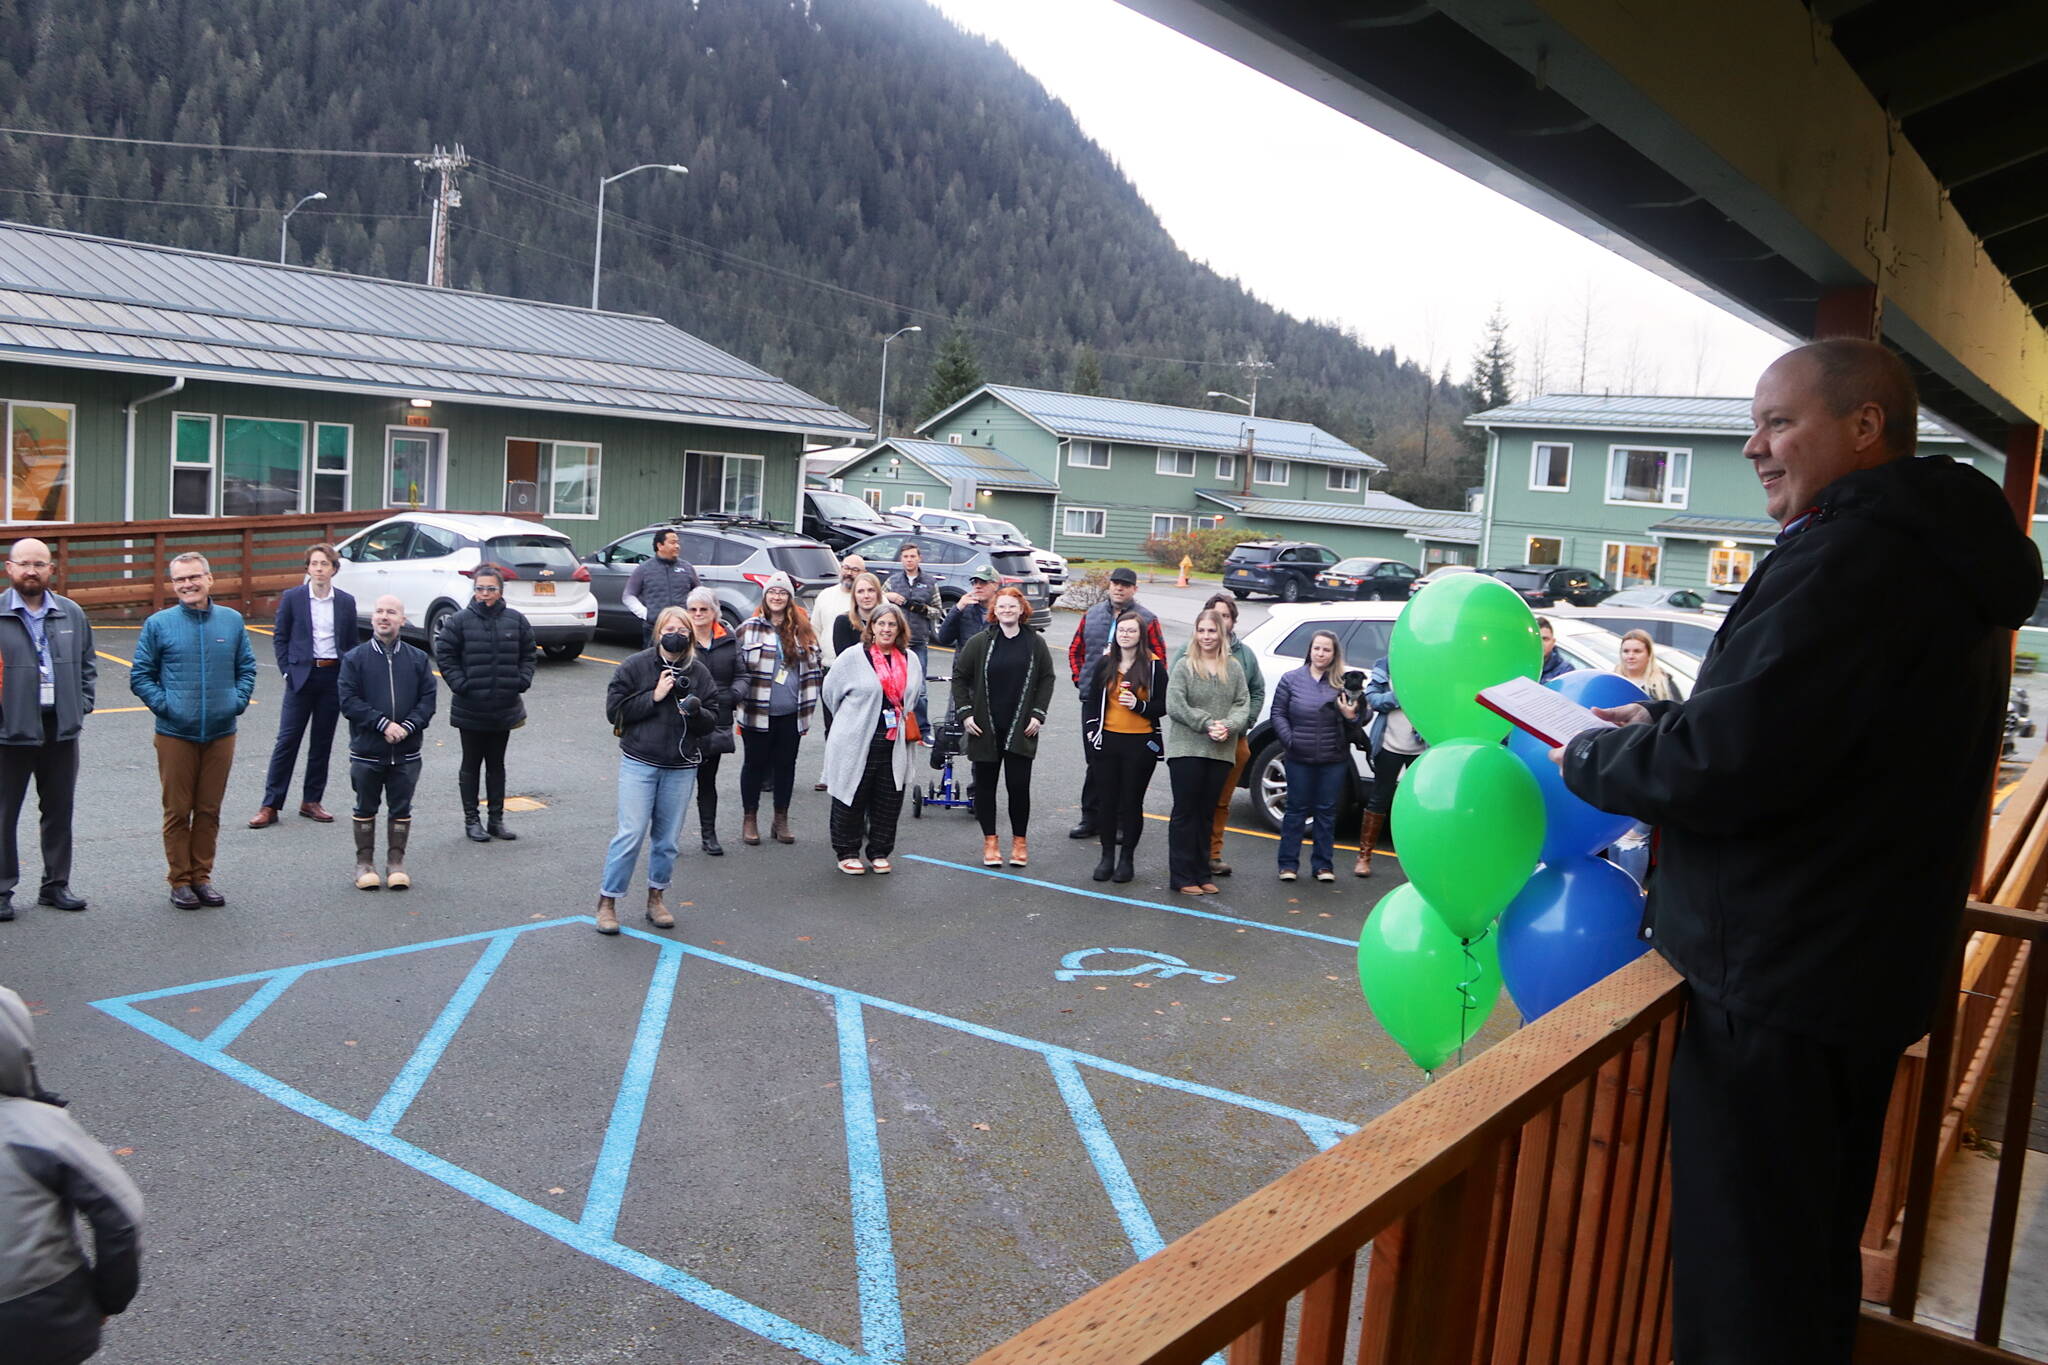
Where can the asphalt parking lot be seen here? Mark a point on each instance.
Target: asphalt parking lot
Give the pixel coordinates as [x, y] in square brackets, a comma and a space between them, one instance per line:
[825, 1118]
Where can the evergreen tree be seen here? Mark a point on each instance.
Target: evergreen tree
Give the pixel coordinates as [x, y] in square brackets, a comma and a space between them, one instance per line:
[956, 372]
[1087, 371]
[1493, 365]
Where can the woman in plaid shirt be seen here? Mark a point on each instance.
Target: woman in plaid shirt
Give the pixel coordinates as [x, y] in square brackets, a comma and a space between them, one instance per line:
[781, 669]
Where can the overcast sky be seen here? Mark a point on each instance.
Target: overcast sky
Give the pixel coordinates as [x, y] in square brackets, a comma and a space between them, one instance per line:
[1322, 216]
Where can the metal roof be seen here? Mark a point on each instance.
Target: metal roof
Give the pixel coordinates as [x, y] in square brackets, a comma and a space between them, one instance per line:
[70, 299]
[1157, 424]
[1646, 412]
[1380, 510]
[1727, 528]
[985, 465]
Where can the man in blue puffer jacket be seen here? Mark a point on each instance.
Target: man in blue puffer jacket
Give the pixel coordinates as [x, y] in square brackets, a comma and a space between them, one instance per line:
[194, 669]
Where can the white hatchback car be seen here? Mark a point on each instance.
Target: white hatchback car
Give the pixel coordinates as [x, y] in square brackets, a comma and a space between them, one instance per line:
[425, 559]
[1363, 630]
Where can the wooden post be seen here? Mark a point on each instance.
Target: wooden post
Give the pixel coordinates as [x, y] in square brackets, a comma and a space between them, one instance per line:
[1851, 311]
[2022, 471]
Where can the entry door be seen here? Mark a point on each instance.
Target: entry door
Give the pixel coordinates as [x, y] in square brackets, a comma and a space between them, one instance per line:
[414, 468]
[522, 476]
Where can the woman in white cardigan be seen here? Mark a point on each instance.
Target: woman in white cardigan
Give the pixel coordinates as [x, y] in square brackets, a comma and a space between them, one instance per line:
[873, 692]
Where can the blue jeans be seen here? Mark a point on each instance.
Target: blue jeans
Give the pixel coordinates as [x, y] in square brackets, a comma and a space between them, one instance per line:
[651, 800]
[1312, 792]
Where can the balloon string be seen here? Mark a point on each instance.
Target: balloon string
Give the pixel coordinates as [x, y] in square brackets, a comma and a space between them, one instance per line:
[1467, 1001]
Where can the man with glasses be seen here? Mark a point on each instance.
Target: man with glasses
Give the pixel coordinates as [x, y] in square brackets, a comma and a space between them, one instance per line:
[835, 601]
[194, 669]
[47, 678]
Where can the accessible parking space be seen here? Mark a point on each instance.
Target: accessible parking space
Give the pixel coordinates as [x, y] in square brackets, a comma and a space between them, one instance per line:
[826, 1118]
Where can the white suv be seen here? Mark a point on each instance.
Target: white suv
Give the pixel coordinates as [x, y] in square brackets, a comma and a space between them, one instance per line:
[1363, 630]
[425, 559]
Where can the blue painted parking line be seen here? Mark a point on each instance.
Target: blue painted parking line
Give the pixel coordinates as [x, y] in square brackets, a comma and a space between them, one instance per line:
[883, 1335]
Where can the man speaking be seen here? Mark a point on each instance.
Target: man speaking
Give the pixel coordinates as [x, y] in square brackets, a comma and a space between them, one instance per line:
[1819, 801]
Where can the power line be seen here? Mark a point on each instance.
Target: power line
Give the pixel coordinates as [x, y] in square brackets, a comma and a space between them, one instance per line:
[207, 146]
[195, 204]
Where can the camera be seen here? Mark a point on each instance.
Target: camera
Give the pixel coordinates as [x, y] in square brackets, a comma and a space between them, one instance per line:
[687, 702]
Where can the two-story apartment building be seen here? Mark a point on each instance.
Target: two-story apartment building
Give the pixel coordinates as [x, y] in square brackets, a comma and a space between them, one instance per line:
[1639, 489]
[1095, 478]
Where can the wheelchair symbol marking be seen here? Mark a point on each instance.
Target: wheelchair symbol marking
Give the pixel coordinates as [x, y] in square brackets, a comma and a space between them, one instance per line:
[1162, 965]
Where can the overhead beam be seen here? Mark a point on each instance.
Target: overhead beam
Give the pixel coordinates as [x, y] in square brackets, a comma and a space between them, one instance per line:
[1960, 58]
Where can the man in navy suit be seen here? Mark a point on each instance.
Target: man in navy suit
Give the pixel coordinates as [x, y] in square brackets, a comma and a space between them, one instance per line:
[315, 626]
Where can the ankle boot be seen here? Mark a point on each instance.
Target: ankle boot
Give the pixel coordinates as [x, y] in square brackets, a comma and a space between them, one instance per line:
[366, 854]
[1124, 870]
[710, 827]
[657, 913]
[750, 828]
[396, 832]
[496, 828]
[779, 831]
[1106, 865]
[990, 855]
[1368, 833]
[473, 827]
[1020, 851]
[607, 916]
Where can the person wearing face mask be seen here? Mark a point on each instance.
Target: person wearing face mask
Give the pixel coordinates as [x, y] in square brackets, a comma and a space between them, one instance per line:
[1002, 685]
[718, 650]
[1123, 697]
[1314, 722]
[780, 671]
[873, 689]
[663, 704]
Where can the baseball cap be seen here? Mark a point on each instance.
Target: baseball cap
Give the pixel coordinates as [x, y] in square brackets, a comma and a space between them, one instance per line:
[981, 571]
[1128, 577]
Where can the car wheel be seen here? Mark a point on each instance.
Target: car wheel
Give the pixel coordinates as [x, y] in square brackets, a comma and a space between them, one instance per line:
[1290, 590]
[1239, 593]
[731, 619]
[563, 653]
[1269, 784]
[437, 621]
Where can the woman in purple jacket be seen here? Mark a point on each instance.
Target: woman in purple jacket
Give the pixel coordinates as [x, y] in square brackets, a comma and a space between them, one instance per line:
[1314, 722]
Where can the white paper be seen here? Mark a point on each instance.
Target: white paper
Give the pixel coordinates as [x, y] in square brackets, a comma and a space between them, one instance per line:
[1550, 716]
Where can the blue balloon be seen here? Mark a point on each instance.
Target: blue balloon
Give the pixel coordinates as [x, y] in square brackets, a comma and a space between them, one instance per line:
[1571, 828]
[1573, 924]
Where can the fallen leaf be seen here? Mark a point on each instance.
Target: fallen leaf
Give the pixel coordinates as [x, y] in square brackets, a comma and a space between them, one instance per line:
[1142, 985]
[348, 1042]
[556, 1189]
[1102, 988]
[1066, 1011]
[718, 942]
[533, 916]
[124, 1151]
[1333, 978]
[1173, 1002]
[1240, 931]
[686, 902]
[193, 1009]
[1322, 914]
[981, 1128]
[1294, 900]
[803, 938]
[1226, 1018]
[1159, 1011]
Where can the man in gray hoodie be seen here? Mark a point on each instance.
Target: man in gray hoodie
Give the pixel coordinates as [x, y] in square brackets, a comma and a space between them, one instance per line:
[53, 1300]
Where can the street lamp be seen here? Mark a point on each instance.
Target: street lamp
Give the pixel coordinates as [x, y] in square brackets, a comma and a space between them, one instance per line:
[1251, 404]
[597, 257]
[882, 399]
[285, 226]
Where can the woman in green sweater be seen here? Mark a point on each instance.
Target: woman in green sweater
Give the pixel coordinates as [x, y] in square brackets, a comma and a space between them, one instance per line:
[1208, 706]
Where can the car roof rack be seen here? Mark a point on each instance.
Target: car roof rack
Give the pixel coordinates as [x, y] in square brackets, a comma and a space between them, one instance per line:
[729, 521]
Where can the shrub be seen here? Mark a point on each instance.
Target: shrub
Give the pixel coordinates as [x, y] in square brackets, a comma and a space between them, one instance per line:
[1208, 546]
[1084, 590]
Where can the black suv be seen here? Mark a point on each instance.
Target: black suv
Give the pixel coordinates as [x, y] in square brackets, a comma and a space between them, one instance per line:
[950, 556]
[733, 556]
[1285, 568]
[1548, 585]
[839, 519]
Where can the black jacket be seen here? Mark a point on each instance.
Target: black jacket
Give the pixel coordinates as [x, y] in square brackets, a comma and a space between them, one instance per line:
[1820, 796]
[486, 657]
[722, 659]
[377, 687]
[655, 732]
[1094, 697]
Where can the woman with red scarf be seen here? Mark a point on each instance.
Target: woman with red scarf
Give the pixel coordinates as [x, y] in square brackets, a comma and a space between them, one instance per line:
[873, 693]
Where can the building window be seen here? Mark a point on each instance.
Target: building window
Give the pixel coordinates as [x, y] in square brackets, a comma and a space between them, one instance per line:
[953, 438]
[1658, 477]
[1226, 466]
[1269, 471]
[1084, 521]
[1214, 523]
[1543, 550]
[1163, 526]
[1179, 463]
[39, 461]
[1436, 556]
[1629, 566]
[731, 485]
[1088, 454]
[873, 498]
[913, 499]
[574, 473]
[1338, 480]
[1728, 567]
[261, 464]
[333, 464]
[1550, 468]
[191, 465]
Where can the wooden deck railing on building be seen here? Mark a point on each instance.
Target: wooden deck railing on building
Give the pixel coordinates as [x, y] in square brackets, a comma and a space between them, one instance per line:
[1517, 1209]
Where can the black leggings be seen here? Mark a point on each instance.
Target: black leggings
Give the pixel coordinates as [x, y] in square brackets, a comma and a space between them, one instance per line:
[1017, 777]
[1197, 782]
[1123, 769]
[771, 756]
[1386, 775]
[483, 749]
[707, 791]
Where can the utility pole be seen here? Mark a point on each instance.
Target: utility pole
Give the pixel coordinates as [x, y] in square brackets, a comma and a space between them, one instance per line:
[1254, 369]
[446, 198]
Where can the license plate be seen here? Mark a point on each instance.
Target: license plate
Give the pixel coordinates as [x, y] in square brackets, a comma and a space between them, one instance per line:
[1240, 573]
[543, 589]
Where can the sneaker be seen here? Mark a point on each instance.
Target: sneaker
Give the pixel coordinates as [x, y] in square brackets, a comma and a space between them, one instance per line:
[1288, 874]
[1325, 875]
[853, 867]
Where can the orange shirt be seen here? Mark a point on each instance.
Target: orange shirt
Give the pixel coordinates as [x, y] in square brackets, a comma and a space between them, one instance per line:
[1122, 719]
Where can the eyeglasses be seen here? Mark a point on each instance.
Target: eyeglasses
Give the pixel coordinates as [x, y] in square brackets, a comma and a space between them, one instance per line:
[188, 578]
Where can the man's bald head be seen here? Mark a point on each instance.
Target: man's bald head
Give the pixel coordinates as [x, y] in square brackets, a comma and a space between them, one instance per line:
[387, 618]
[28, 568]
[1849, 373]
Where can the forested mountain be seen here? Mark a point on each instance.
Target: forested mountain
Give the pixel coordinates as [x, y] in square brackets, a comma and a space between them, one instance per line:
[854, 166]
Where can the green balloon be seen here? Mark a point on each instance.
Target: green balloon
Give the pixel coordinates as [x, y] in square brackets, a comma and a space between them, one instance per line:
[1469, 818]
[1429, 991]
[1454, 637]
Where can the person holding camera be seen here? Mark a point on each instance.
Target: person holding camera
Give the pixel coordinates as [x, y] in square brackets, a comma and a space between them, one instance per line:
[1002, 684]
[662, 703]
[1314, 721]
[1391, 744]
[873, 692]
[1123, 697]
[912, 589]
[718, 650]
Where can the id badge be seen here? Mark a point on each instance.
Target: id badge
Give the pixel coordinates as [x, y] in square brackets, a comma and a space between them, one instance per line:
[888, 718]
[781, 676]
[47, 694]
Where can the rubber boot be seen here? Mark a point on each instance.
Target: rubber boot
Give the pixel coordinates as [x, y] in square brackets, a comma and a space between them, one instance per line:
[1106, 865]
[1124, 871]
[395, 834]
[366, 854]
[990, 855]
[496, 828]
[709, 825]
[750, 828]
[1368, 835]
[657, 913]
[607, 916]
[780, 829]
[1020, 851]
